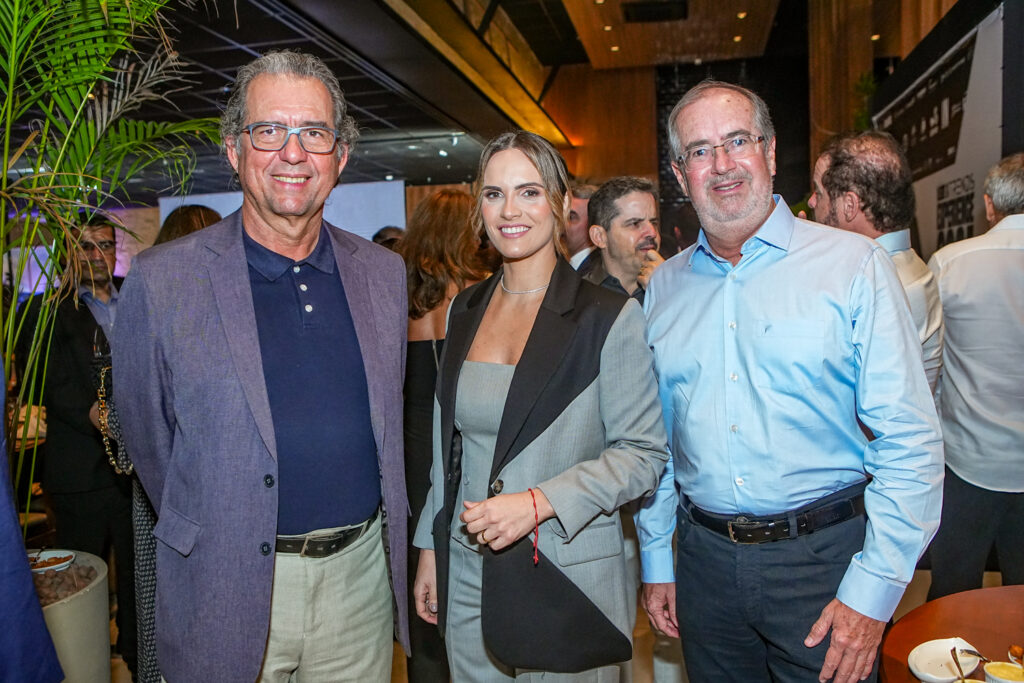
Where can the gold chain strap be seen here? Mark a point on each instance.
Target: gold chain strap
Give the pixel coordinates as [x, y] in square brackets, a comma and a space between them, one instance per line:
[104, 412]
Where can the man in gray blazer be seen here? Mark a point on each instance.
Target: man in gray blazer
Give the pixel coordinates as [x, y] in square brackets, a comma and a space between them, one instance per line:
[260, 394]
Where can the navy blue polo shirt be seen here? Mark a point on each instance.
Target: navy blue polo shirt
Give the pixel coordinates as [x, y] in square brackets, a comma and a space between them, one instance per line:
[316, 383]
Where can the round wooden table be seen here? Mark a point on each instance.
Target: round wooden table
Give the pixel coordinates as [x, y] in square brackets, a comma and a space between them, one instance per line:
[990, 619]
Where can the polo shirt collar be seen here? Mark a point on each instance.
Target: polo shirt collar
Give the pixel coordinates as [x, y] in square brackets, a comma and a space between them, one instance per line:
[272, 265]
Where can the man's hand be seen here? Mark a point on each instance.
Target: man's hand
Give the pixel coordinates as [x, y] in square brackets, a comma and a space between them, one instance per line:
[854, 645]
[659, 600]
[425, 587]
[652, 259]
[502, 520]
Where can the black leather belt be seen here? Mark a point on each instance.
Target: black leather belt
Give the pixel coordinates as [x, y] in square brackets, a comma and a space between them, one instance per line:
[748, 530]
[323, 545]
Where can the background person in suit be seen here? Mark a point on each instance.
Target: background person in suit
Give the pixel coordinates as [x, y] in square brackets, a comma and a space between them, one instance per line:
[259, 370]
[547, 413]
[91, 502]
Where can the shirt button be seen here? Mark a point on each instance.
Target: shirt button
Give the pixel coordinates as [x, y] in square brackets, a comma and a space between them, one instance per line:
[268, 481]
[309, 308]
[296, 269]
[303, 287]
[732, 276]
[732, 324]
[739, 481]
[497, 486]
[265, 548]
[734, 377]
[734, 428]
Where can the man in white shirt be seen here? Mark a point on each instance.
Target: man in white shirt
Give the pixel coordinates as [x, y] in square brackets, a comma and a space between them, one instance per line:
[862, 183]
[981, 392]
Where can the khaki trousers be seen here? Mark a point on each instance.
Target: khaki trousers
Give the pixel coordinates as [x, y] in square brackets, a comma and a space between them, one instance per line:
[330, 618]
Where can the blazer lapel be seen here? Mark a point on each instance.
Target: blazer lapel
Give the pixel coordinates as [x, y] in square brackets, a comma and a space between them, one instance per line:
[545, 348]
[352, 271]
[229, 278]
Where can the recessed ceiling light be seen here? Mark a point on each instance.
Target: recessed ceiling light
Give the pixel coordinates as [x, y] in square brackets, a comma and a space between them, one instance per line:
[737, 39]
[741, 15]
[389, 177]
[442, 152]
[411, 147]
[598, 2]
[877, 36]
[615, 48]
[607, 27]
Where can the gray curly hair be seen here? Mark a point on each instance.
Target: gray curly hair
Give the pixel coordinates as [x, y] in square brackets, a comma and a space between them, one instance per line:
[286, 62]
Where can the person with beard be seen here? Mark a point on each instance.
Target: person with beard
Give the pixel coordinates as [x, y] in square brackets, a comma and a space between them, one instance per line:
[775, 341]
[862, 183]
[623, 216]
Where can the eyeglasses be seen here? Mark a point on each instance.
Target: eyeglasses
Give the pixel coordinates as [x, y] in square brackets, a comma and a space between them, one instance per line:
[271, 137]
[736, 147]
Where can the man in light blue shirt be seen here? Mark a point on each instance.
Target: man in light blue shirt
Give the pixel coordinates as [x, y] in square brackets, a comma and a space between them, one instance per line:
[775, 341]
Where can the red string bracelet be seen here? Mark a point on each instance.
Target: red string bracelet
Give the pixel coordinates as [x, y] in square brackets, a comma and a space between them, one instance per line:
[536, 528]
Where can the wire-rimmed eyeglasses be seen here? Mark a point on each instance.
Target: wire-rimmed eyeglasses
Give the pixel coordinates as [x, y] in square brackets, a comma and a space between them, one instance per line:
[271, 137]
[736, 147]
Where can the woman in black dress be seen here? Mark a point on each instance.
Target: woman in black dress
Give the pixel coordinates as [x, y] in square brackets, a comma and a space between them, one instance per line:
[440, 252]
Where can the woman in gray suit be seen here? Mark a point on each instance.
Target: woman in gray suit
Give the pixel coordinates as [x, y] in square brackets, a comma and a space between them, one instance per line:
[547, 421]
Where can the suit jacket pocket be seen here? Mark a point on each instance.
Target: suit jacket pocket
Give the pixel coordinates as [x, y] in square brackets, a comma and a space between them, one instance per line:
[176, 530]
[598, 541]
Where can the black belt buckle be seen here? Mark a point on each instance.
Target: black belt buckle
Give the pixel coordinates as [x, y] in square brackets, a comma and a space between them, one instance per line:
[743, 524]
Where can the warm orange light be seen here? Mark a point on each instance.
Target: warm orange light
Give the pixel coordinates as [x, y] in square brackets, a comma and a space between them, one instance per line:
[741, 15]
[877, 36]
[615, 48]
[737, 39]
[607, 27]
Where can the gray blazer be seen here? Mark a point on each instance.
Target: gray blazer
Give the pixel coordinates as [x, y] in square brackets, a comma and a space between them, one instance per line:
[583, 424]
[196, 418]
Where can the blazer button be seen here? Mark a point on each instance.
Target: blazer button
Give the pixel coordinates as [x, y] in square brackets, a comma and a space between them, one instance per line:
[497, 486]
[265, 548]
[268, 480]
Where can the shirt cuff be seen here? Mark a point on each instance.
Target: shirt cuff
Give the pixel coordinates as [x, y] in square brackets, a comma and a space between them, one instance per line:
[656, 566]
[869, 594]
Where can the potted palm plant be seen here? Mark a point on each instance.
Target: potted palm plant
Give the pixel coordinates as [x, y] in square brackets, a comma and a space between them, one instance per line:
[72, 75]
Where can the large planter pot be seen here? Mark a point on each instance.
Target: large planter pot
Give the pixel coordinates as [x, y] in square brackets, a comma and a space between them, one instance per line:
[80, 628]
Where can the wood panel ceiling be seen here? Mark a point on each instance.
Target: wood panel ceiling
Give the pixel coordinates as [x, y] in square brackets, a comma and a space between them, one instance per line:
[707, 34]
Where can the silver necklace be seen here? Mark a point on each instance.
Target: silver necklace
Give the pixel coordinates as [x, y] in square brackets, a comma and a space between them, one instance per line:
[525, 291]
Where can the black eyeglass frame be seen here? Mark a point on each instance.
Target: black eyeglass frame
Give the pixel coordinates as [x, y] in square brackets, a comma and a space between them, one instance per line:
[292, 130]
[681, 159]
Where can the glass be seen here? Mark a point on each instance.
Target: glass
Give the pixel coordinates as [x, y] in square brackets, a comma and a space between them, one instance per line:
[736, 147]
[271, 137]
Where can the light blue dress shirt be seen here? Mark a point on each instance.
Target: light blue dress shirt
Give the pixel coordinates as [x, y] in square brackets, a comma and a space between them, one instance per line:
[764, 369]
[103, 312]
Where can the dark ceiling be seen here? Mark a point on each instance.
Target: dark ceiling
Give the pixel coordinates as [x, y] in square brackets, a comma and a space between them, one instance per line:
[420, 121]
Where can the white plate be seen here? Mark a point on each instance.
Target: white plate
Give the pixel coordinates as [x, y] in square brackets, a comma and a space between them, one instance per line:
[931, 662]
[46, 554]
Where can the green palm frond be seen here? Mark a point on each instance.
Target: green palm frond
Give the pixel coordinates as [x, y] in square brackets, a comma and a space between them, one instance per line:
[71, 72]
